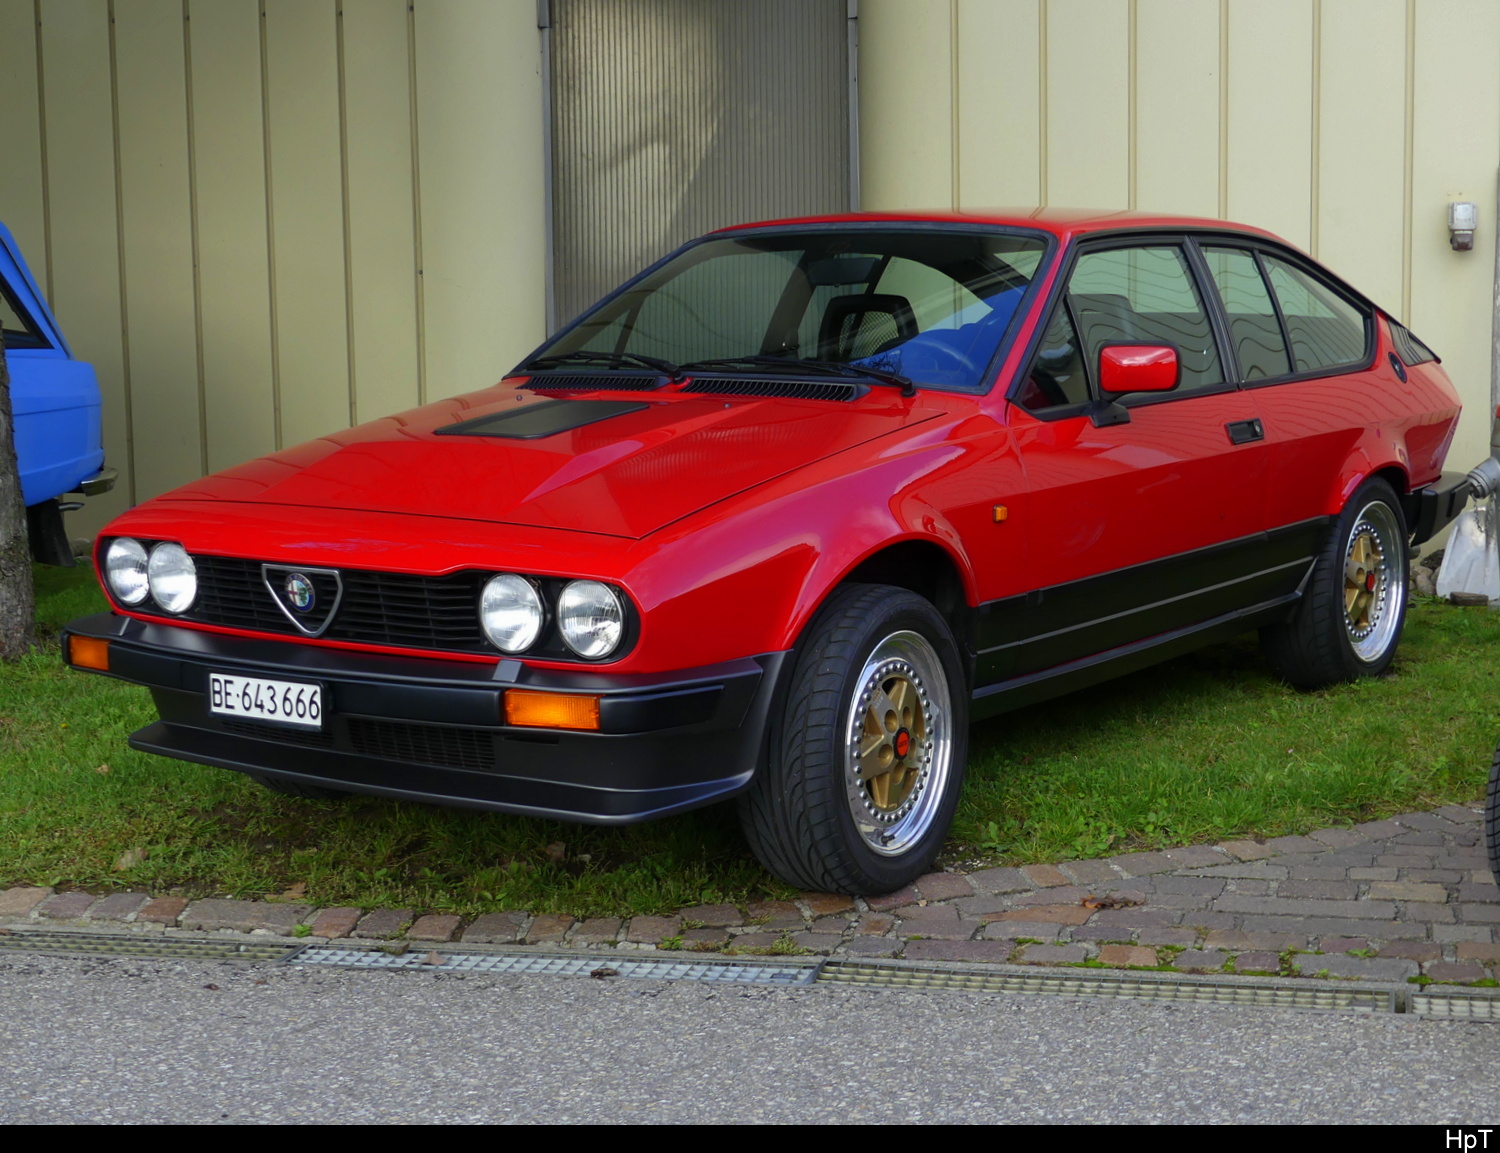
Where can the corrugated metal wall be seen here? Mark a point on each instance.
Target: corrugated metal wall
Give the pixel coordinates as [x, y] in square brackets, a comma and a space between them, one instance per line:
[674, 117]
[1344, 125]
[263, 220]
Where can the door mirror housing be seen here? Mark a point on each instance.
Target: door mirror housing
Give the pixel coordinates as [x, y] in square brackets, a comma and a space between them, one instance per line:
[1138, 368]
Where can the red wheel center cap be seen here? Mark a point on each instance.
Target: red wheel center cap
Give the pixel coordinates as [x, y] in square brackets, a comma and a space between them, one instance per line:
[902, 743]
[1370, 583]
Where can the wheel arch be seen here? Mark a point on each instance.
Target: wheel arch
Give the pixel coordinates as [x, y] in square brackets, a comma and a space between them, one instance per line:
[927, 569]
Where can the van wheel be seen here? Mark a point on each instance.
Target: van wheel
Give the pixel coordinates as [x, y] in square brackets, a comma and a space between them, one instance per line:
[867, 757]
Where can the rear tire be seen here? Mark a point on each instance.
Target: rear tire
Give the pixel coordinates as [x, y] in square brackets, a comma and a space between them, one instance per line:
[1349, 621]
[866, 759]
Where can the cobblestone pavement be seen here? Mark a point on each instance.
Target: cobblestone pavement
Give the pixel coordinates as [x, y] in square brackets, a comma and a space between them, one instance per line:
[1409, 897]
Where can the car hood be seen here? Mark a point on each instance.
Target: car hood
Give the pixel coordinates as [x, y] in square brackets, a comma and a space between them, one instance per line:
[637, 462]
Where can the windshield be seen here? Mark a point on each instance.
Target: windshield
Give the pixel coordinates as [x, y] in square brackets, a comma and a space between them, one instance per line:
[928, 306]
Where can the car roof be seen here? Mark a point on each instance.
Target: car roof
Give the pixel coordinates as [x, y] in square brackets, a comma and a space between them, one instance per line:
[1064, 223]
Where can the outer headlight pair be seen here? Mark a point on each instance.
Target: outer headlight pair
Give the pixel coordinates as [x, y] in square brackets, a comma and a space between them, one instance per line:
[167, 574]
[590, 615]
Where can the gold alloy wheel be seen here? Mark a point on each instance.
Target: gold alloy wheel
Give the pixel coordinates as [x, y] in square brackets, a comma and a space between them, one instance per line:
[1374, 582]
[1362, 577]
[898, 760]
[893, 744]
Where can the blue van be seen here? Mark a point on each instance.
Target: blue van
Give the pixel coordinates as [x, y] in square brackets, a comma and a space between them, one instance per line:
[55, 404]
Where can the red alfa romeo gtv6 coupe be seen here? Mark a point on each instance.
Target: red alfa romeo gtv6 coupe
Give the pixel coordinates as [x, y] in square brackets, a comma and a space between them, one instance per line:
[784, 514]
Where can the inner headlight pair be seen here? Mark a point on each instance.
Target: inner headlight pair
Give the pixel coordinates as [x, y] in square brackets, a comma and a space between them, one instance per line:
[590, 615]
[167, 574]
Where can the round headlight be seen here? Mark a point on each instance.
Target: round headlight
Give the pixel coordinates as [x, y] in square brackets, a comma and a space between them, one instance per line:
[592, 618]
[511, 612]
[125, 569]
[174, 578]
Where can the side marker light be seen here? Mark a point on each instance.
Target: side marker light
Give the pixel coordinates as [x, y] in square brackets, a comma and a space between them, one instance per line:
[537, 710]
[88, 653]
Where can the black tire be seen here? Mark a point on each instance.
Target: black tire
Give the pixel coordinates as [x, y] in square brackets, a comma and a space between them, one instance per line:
[289, 788]
[1349, 621]
[877, 683]
[1492, 817]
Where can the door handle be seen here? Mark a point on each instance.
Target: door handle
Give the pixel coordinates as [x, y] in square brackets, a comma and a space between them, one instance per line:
[1244, 431]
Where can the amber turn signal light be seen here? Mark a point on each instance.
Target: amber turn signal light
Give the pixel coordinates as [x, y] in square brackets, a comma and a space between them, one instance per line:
[88, 653]
[551, 710]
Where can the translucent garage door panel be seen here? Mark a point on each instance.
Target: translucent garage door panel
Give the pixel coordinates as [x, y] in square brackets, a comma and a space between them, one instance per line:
[674, 117]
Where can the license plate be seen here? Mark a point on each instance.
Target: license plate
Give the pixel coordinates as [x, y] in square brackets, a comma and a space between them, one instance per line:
[280, 702]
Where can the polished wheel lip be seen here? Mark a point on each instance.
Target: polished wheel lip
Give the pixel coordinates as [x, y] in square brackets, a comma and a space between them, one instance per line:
[1373, 589]
[903, 678]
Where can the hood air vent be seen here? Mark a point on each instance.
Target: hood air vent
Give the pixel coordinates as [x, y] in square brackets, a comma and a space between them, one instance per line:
[594, 382]
[545, 418]
[801, 389]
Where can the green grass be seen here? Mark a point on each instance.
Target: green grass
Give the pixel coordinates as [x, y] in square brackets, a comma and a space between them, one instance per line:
[1203, 749]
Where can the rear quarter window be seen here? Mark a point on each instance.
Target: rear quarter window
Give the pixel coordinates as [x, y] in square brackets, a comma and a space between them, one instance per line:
[1326, 331]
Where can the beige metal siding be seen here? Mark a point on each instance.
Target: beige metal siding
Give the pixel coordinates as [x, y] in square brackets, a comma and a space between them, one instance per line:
[223, 200]
[1344, 125]
[157, 240]
[483, 224]
[21, 133]
[1177, 79]
[230, 181]
[83, 238]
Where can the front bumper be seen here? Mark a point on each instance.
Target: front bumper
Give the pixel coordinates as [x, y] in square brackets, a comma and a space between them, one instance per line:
[430, 730]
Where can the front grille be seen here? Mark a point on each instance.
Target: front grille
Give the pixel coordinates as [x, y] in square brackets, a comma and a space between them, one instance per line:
[424, 612]
[409, 742]
[312, 738]
[801, 389]
[231, 592]
[418, 744]
[377, 608]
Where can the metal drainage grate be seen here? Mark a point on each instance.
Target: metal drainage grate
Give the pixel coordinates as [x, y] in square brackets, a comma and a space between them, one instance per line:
[1197, 992]
[1457, 1006]
[131, 945]
[565, 965]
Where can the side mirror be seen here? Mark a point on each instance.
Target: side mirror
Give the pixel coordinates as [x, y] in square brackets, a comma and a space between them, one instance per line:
[1138, 368]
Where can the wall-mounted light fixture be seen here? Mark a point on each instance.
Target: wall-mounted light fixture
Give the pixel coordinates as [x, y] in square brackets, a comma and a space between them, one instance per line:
[1463, 218]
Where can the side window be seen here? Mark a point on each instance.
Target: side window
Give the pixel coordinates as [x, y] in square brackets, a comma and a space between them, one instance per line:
[16, 326]
[1253, 327]
[1326, 331]
[1057, 375]
[1145, 296]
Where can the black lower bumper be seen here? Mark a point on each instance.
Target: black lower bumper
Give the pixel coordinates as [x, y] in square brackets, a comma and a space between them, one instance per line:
[433, 731]
[1434, 507]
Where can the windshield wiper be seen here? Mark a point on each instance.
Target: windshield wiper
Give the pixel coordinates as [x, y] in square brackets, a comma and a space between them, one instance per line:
[819, 367]
[584, 356]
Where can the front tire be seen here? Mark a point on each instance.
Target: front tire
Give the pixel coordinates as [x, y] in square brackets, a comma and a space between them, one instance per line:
[866, 760]
[1349, 621]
